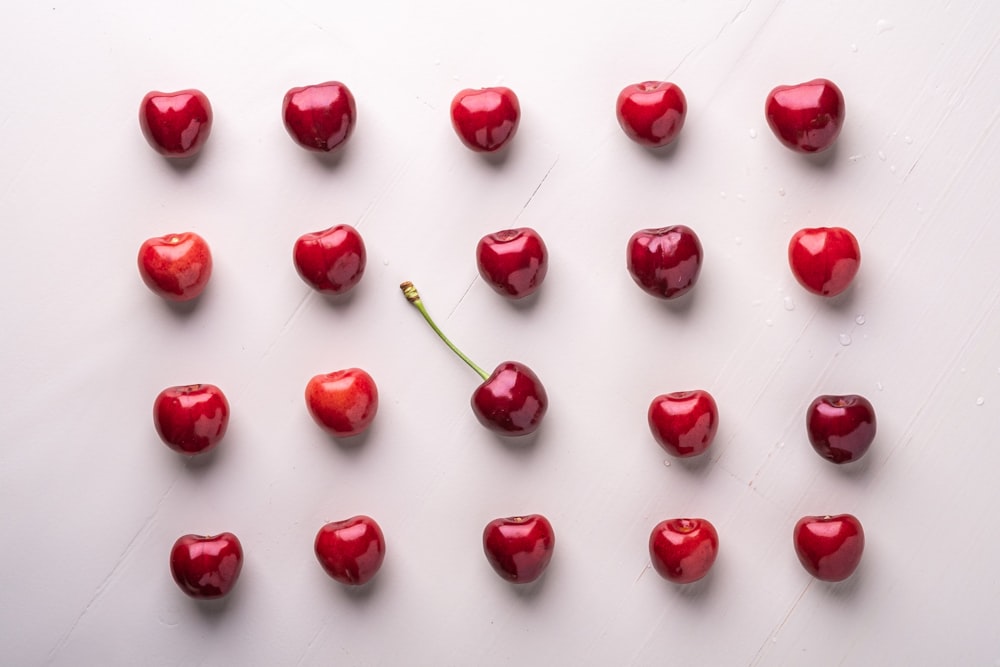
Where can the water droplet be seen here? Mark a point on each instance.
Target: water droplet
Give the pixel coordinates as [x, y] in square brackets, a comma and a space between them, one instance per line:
[739, 240]
[845, 339]
[881, 156]
[908, 139]
[753, 133]
[437, 61]
[883, 26]
[723, 194]
[385, 262]
[980, 400]
[892, 169]
[788, 303]
[854, 47]
[962, 369]
[781, 192]
[878, 385]
[666, 462]
[755, 302]
[860, 319]
[920, 209]
[170, 616]
[855, 158]
[741, 198]
[781, 445]
[769, 322]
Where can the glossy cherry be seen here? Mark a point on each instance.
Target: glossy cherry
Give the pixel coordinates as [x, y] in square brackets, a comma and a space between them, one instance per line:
[665, 262]
[191, 419]
[320, 117]
[519, 548]
[176, 266]
[841, 428]
[485, 119]
[331, 261]
[684, 422]
[351, 551]
[829, 547]
[806, 117]
[176, 124]
[652, 112]
[683, 550]
[824, 260]
[513, 261]
[343, 403]
[510, 401]
[206, 566]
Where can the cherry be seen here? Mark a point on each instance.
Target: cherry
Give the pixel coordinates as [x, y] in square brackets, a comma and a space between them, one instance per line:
[343, 403]
[665, 262]
[485, 119]
[841, 428]
[331, 261]
[176, 124]
[513, 261]
[176, 266]
[510, 401]
[519, 548]
[684, 422]
[351, 551]
[206, 567]
[683, 550]
[806, 117]
[829, 547]
[652, 112]
[319, 117]
[191, 419]
[824, 259]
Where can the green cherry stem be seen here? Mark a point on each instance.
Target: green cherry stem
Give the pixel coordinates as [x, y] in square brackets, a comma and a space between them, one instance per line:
[411, 294]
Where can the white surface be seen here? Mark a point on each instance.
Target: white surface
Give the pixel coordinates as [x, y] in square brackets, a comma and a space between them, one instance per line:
[91, 501]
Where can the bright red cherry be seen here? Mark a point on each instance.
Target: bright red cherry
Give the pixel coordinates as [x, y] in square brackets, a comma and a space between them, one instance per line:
[331, 261]
[485, 119]
[320, 117]
[806, 117]
[343, 403]
[519, 548]
[351, 551]
[513, 261]
[206, 567]
[824, 259]
[683, 550]
[841, 428]
[829, 547]
[511, 401]
[176, 266]
[191, 419]
[665, 262]
[652, 112]
[176, 124]
[684, 422]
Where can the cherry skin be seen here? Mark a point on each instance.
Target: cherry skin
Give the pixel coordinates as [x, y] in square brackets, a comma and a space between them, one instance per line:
[343, 403]
[824, 260]
[176, 124]
[513, 261]
[806, 117]
[206, 567]
[350, 551]
[683, 550]
[191, 419]
[176, 267]
[319, 117]
[841, 428]
[485, 119]
[685, 422]
[519, 548]
[652, 112]
[331, 261]
[829, 547]
[665, 262]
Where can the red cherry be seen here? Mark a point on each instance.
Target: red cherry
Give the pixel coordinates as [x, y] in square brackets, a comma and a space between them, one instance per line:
[176, 124]
[665, 262]
[351, 551]
[191, 419]
[206, 567]
[684, 422]
[652, 112]
[824, 259]
[343, 403]
[841, 428]
[513, 261]
[320, 117]
[485, 119]
[683, 550]
[331, 261]
[519, 548]
[176, 266]
[829, 547]
[806, 117]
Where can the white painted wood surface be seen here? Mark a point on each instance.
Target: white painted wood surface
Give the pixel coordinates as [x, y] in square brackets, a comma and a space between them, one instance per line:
[90, 501]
